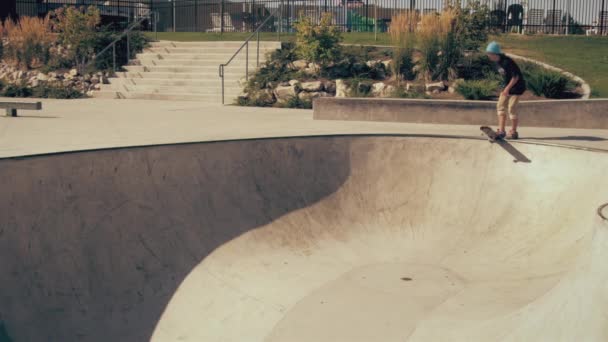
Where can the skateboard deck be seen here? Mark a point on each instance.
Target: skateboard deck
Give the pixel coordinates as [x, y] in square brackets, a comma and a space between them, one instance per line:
[490, 133]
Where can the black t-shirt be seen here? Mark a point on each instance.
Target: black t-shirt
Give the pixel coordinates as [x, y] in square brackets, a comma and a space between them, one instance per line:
[508, 68]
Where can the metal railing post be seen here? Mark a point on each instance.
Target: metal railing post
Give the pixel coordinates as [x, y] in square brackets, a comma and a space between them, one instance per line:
[222, 78]
[155, 25]
[114, 57]
[257, 53]
[128, 47]
[247, 61]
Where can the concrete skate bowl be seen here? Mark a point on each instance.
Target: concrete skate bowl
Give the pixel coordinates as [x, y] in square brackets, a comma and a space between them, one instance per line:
[353, 238]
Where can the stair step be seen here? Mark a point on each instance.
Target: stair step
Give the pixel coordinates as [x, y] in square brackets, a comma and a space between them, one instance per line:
[188, 69]
[225, 44]
[197, 56]
[212, 74]
[200, 51]
[195, 62]
[171, 82]
[156, 96]
[177, 90]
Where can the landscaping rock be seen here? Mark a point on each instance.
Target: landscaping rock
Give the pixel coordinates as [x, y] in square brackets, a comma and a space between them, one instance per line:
[52, 75]
[293, 82]
[387, 63]
[451, 90]
[42, 77]
[329, 86]
[94, 80]
[300, 64]
[73, 72]
[283, 93]
[439, 86]
[341, 89]
[97, 86]
[378, 88]
[363, 88]
[388, 91]
[34, 83]
[436, 91]
[418, 88]
[372, 63]
[309, 96]
[312, 86]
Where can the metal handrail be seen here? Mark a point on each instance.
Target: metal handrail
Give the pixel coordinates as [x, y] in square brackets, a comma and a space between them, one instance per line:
[246, 46]
[124, 33]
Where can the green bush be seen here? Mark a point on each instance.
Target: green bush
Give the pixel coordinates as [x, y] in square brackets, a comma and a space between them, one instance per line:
[473, 25]
[548, 83]
[77, 30]
[296, 102]
[54, 92]
[479, 67]
[17, 90]
[138, 41]
[318, 43]
[359, 87]
[401, 93]
[477, 89]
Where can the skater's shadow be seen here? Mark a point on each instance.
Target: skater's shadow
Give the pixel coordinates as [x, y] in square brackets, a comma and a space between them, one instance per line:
[515, 153]
[570, 137]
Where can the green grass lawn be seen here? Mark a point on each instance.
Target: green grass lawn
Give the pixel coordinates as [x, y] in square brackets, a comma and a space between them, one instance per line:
[586, 57]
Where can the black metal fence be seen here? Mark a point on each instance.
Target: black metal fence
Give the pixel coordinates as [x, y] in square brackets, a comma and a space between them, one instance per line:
[524, 16]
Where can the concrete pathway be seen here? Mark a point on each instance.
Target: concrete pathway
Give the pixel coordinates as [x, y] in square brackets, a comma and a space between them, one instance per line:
[68, 125]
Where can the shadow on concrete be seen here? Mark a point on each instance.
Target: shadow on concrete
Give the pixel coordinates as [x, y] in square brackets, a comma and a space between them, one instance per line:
[515, 153]
[29, 117]
[93, 245]
[570, 137]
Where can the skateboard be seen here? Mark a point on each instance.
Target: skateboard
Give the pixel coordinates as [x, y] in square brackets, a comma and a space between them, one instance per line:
[490, 133]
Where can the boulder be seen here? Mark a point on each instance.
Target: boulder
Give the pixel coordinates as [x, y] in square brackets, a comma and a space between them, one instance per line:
[372, 63]
[283, 93]
[293, 82]
[309, 96]
[300, 64]
[73, 72]
[97, 86]
[389, 91]
[439, 86]
[68, 76]
[329, 86]
[378, 89]
[418, 88]
[34, 83]
[42, 77]
[312, 86]
[94, 80]
[387, 64]
[87, 77]
[52, 75]
[451, 90]
[341, 89]
[436, 91]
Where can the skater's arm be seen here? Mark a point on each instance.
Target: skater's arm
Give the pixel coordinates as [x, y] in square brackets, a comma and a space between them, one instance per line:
[511, 84]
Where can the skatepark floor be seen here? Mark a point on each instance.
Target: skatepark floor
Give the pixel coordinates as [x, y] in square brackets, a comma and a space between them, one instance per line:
[304, 231]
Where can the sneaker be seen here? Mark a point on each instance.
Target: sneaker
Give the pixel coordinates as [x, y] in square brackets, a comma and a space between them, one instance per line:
[513, 135]
[500, 134]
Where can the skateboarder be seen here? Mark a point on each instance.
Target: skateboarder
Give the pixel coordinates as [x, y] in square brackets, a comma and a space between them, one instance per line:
[515, 85]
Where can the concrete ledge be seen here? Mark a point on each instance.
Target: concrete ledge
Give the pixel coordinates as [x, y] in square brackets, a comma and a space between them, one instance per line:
[591, 114]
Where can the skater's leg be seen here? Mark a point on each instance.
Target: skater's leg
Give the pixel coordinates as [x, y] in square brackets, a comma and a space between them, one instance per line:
[502, 108]
[513, 101]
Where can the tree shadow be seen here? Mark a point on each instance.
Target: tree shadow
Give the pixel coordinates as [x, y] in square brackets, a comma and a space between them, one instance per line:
[93, 245]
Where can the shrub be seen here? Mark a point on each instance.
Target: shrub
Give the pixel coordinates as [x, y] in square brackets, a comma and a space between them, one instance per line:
[54, 92]
[104, 37]
[477, 89]
[474, 24]
[17, 90]
[359, 87]
[548, 83]
[479, 67]
[28, 42]
[317, 43]
[77, 30]
[296, 102]
[401, 92]
[439, 45]
[403, 37]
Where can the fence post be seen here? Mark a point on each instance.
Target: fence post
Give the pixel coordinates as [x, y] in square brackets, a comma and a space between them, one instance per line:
[221, 17]
[173, 7]
[602, 21]
[195, 15]
[553, 19]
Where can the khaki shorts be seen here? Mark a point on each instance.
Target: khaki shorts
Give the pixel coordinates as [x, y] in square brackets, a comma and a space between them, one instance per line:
[507, 104]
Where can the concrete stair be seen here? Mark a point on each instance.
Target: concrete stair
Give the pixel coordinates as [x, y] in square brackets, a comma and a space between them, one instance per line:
[187, 71]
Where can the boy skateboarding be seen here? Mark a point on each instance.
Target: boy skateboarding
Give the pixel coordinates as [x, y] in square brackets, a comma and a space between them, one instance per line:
[515, 85]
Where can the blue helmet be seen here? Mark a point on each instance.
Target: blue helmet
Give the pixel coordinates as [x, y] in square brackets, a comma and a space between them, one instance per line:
[494, 48]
